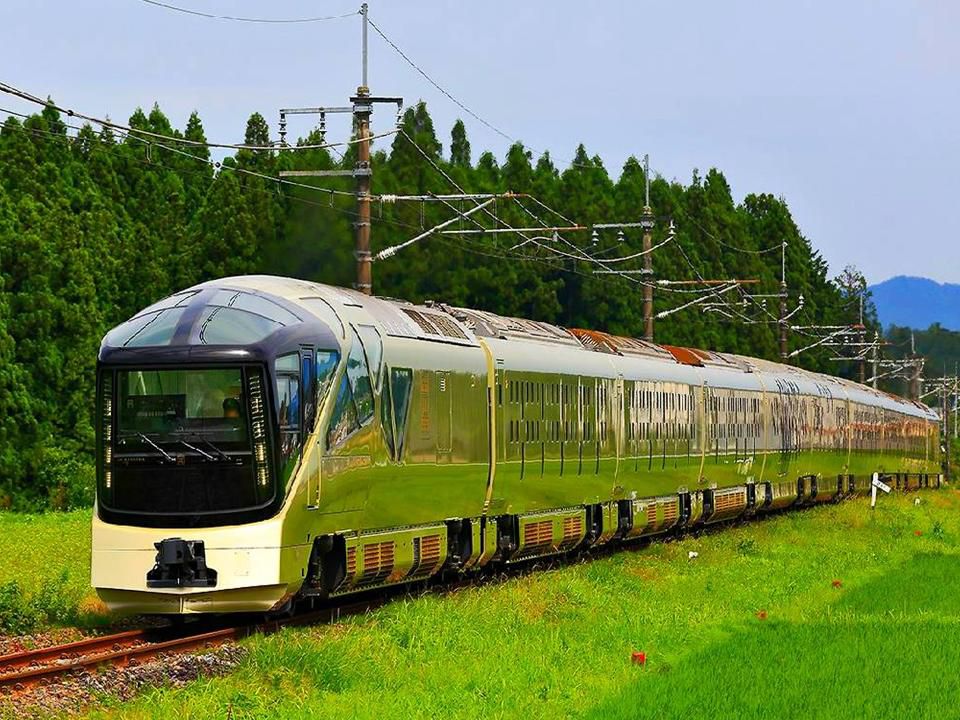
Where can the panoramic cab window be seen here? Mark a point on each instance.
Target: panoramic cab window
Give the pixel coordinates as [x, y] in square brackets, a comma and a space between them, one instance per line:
[149, 329]
[288, 410]
[359, 374]
[239, 318]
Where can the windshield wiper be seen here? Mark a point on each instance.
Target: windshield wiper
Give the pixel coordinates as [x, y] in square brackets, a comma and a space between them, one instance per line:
[167, 456]
[197, 450]
[222, 455]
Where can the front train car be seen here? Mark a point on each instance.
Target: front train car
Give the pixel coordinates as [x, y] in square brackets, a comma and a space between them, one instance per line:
[199, 419]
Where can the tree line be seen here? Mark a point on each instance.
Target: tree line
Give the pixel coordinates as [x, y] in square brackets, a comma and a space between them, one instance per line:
[96, 224]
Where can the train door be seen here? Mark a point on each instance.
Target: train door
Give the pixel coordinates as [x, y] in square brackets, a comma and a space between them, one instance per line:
[705, 420]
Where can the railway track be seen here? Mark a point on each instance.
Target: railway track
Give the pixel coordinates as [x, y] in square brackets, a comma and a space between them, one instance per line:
[46, 666]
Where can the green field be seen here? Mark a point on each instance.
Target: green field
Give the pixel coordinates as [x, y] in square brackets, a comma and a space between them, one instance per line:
[558, 643]
[45, 572]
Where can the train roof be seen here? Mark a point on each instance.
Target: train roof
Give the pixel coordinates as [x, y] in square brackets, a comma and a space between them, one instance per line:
[438, 322]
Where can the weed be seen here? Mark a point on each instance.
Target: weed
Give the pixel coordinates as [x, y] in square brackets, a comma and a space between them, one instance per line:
[747, 546]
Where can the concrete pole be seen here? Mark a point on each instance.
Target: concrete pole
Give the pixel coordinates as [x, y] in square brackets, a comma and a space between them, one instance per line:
[647, 222]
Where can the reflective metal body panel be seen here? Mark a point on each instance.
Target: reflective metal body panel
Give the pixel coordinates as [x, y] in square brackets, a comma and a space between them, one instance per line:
[567, 437]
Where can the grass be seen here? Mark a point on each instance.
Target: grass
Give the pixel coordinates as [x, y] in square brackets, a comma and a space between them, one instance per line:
[558, 643]
[45, 572]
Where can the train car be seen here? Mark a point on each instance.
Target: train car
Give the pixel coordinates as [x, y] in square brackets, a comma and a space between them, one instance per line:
[265, 440]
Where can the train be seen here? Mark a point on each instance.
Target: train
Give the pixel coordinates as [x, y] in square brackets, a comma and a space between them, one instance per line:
[263, 442]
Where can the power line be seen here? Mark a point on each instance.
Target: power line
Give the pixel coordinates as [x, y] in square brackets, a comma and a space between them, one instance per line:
[727, 245]
[581, 255]
[234, 18]
[433, 82]
[446, 93]
[24, 95]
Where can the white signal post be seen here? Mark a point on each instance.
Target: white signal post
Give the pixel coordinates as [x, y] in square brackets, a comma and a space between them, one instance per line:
[877, 484]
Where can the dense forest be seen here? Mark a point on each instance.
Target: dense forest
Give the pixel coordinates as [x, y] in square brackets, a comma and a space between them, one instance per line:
[96, 224]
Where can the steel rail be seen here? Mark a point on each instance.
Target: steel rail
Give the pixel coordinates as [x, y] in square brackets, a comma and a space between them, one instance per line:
[27, 668]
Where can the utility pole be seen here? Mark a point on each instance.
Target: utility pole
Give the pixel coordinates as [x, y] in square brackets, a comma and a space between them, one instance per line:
[647, 225]
[784, 350]
[876, 357]
[361, 109]
[861, 337]
[945, 411]
[361, 113]
[915, 370]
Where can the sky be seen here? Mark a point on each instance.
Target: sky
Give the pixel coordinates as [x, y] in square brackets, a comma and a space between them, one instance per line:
[849, 110]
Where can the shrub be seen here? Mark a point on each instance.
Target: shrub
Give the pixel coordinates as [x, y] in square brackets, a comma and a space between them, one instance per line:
[52, 604]
[66, 477]
[16, 614]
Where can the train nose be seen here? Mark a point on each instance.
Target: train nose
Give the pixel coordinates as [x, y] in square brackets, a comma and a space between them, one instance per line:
[181, 563]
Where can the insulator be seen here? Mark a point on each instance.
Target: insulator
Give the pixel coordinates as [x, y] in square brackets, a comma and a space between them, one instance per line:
[620, 236]
[594, 238]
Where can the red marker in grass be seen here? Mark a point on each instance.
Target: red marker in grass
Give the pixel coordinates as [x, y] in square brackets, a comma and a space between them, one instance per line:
[918, 533]
[762, 615]
[837, 584]
[639, 657]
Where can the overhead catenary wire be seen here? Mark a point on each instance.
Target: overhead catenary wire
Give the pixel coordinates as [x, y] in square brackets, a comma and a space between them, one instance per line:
[435, 84]
[131, 134]
[259, 20]
[580, 255]
[446, 93]
[29, 97]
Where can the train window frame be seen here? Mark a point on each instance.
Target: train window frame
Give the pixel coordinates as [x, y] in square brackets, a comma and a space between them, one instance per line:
[324, 310]
[373, 348]
[386, 418]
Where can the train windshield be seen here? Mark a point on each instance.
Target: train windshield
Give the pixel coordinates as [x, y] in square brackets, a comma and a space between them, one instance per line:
[185, 444]
[171, 406]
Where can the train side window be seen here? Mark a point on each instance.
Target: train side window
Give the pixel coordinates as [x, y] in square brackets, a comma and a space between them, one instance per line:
[359, 374]
[401, 385]
[386, 419]
[343, 421]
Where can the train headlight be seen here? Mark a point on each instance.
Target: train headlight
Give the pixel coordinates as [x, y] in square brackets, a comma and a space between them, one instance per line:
[258, 425]
[106, 432]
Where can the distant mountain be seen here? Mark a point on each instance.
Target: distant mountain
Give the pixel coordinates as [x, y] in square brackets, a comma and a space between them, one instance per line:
[917, 302]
